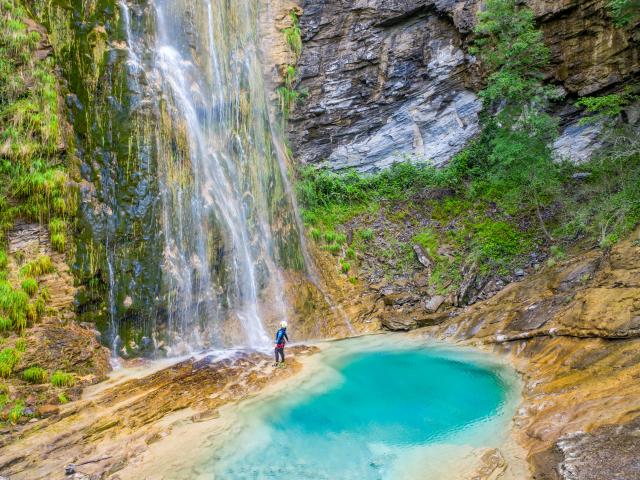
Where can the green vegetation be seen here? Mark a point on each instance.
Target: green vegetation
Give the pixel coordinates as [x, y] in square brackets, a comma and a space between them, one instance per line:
[345, 267]
[62, 379]
[38, 267]
[8, 359]
[62, 398]
[292, 34]
[16, 412]
[34, 375]
[288, 95]
[624, 12]
[504, 195]
[21, 345]
[33, 181]
[30, 286]
[5, 324]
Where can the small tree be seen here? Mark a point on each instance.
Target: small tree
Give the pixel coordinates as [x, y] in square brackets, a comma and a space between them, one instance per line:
[521, 170]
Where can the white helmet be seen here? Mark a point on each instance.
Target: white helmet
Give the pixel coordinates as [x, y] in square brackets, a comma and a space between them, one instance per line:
[283, 324]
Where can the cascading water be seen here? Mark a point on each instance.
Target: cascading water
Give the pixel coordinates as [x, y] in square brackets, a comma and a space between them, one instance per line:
[227, 217]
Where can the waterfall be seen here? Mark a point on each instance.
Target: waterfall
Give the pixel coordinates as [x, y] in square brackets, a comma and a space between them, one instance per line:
[227, 220]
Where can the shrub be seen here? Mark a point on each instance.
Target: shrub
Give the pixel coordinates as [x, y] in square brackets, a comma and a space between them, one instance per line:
[4, 260]
[34, 375]
[62, 398]
[345, 267]
[350, 253]
[30, 286]
[62, 379]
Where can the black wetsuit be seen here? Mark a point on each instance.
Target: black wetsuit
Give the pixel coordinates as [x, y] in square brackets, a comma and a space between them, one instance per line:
[281, 336]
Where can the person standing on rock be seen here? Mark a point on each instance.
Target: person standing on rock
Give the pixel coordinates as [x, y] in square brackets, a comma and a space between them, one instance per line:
[281, 339]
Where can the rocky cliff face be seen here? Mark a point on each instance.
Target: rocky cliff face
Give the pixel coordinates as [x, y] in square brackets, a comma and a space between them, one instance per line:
[391, 80]
[573, 333]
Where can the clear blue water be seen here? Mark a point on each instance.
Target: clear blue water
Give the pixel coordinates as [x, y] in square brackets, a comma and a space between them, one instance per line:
[363, 415]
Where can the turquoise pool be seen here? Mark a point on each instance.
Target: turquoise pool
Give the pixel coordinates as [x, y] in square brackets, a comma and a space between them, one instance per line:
[368, 414]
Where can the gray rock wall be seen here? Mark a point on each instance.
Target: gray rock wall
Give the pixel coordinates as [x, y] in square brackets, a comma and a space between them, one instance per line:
[389, 80]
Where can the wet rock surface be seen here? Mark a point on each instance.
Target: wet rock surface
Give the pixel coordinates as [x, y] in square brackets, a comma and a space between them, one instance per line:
[572, 332]
[113, 426]
[610, 452]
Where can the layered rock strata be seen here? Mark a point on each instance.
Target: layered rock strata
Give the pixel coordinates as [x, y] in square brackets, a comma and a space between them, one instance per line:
[387, 81]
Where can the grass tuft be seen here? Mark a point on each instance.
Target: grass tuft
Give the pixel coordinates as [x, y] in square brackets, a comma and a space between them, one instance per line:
[34, 375]
[62, 379]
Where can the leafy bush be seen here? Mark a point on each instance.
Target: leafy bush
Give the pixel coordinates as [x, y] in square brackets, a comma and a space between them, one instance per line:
[34, 375]
[62, 379]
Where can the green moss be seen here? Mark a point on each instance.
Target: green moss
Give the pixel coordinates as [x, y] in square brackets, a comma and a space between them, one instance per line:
[62, 379]
[34, 375]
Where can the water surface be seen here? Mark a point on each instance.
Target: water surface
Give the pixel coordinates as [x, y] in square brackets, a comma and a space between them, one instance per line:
[370, 414]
